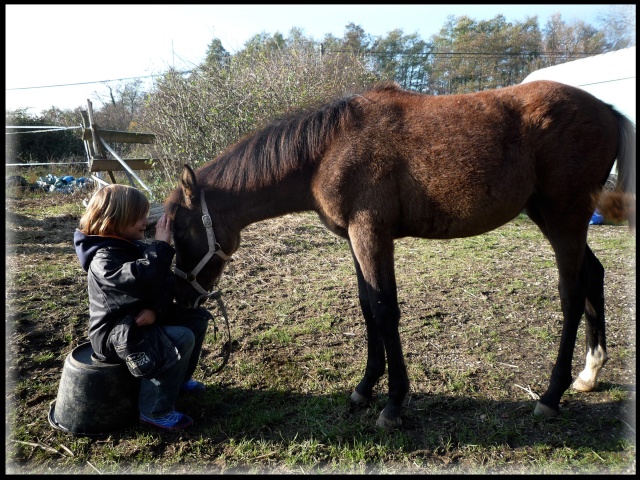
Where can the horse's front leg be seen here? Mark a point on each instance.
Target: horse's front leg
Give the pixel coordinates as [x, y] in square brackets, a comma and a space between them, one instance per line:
[373, 253]
[363, 393]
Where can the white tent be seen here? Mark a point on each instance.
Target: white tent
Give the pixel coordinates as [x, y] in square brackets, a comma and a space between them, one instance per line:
[610, 76]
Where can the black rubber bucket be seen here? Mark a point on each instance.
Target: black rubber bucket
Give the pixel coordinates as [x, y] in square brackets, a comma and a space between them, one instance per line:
[94, 398]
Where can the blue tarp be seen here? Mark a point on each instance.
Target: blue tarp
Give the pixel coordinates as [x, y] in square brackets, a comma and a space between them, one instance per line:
[597, 219]
[51, 183]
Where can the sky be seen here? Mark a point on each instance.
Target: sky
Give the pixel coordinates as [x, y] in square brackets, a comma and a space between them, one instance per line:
[51, 47]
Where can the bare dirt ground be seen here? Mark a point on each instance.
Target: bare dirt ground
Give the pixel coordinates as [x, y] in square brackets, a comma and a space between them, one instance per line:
[480, 334]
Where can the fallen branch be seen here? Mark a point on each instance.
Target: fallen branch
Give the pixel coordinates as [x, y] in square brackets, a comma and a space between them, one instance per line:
[508, 365]
[630, 427]
[533, 395]
[67, 450]
[89, 463]
[44, 447]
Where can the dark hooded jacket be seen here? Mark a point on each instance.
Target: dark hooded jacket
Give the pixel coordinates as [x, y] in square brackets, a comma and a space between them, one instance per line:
[123, 278]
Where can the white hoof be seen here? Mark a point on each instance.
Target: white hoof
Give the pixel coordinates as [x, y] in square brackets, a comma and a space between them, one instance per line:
[387, 424]
[542, 410]
[584, 386]
[359, 399]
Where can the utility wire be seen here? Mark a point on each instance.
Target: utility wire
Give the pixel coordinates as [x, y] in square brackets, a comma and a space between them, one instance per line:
[439, 54]
[97, 81]
[370, 52]
[40, 129]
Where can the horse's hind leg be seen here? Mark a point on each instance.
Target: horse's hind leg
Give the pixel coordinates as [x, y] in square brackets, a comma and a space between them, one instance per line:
[569, 240]
[594, 325]
[572, 290]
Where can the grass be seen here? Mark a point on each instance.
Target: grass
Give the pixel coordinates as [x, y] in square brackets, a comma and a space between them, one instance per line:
[480, 325]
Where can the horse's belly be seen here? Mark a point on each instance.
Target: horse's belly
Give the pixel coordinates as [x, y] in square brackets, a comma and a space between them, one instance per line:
[442, 224]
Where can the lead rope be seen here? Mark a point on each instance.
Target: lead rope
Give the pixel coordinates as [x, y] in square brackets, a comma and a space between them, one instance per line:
[211, 239]
[227, 352]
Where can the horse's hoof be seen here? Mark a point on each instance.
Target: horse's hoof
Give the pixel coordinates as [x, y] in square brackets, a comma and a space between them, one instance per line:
[388, 423]
[544, 411]
[584, 386]
[359, 399]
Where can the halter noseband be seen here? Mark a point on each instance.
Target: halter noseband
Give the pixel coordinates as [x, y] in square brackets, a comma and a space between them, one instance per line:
[214, 248]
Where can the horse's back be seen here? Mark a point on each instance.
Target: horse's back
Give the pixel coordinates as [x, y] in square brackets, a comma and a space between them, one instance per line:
[459, 165]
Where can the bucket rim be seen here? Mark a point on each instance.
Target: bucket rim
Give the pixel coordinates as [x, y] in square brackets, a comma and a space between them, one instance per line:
[61, 428]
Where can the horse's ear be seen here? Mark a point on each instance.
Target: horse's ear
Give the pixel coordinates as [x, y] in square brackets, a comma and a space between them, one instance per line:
[189, 185]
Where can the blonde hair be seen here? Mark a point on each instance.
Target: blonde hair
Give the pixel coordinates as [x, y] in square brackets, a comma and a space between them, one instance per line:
[112, 209]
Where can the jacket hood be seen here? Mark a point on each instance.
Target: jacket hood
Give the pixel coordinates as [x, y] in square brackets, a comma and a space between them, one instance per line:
[87, 245]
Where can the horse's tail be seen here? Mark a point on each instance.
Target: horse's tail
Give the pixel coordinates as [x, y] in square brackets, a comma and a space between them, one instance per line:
[619, 204]
[626, 155]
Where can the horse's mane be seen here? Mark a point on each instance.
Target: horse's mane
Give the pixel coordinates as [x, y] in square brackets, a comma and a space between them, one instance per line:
[283, 146]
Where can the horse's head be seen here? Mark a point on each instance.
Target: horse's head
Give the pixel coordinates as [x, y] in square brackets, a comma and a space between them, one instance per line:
[200, 258]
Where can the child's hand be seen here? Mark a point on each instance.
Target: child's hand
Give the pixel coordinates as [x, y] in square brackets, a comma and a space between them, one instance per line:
[163, 229]
[145, 317]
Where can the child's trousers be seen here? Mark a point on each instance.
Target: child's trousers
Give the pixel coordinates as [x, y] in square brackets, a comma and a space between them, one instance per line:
[186, 327]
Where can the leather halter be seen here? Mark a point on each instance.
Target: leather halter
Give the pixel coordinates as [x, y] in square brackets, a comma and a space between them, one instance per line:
[214, 249]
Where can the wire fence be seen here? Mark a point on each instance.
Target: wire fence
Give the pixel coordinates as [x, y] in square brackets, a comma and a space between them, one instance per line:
[43, 164]
[40, 129]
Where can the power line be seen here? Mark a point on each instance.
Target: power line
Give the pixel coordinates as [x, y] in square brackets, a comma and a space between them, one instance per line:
[370, 52]
[97, 81]
[607, 81]
[79, 83]
[492, 54]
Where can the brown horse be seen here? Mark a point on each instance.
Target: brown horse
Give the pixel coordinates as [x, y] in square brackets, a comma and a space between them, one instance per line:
[391, 163]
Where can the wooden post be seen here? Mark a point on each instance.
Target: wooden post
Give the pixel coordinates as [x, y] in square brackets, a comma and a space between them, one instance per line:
[97, 145]
[86, 124]
[95, 142]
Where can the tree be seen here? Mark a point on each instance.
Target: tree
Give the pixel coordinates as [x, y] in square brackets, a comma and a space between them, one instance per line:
[296, 39]
[402, 58]
[66, 118]
[470, 55]
[619, 26]
[197, 115]
[522, 43]
[330, 43]
[355, 40]
[566, 41]
[263, 43]
[119, 111]
[216, 54]
[120, 105]
[459, 63]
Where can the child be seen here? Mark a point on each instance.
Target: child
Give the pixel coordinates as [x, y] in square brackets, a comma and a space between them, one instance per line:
[133, 317]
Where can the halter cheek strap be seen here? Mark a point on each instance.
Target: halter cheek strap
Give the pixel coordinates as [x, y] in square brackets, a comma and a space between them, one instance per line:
[214, 248]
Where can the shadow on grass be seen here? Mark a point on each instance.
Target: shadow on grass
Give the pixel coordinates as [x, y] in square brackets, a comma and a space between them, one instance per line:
[434, 424]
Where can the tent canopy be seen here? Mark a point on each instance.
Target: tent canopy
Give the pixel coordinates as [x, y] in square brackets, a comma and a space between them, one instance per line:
[610, 76]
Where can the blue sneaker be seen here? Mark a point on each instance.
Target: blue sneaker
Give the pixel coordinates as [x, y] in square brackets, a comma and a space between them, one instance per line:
[192, 386]
[169, 421]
